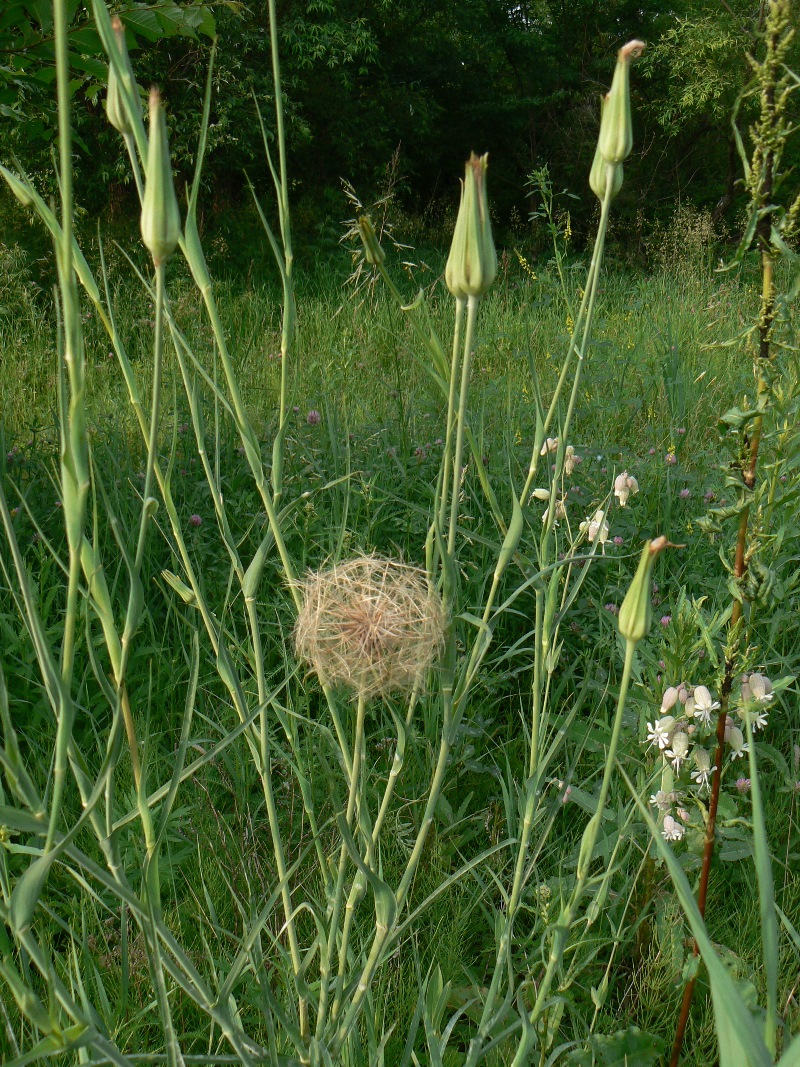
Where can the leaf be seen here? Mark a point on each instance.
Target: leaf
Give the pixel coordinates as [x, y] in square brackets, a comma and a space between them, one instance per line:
[627, 1048]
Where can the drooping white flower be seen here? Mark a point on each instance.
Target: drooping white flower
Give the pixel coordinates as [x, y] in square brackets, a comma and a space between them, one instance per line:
[703, 769]
[661, 800]
[678, 752]
[702, 705]
[596, 528]
[735, 738]
[560, 512]
[672, 831]
[550, 445]
[760, 688]
[571, 460]
[540, 494]
[658, 733]
[624, 485]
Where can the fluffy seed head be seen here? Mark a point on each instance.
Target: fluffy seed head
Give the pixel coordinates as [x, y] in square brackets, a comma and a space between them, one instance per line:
[371, 625]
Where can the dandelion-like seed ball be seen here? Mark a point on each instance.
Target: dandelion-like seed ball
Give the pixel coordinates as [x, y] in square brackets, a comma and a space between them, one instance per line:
[371, 625]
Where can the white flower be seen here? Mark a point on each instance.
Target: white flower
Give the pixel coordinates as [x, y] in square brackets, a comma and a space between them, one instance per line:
[624, 485]
[661, 800]
[669, 699]
[702, 705]
[596, 528]
[735, 738]
[550, 445]
[678, 753]
[571, 460]
[540, 494]
[672, 831]
[703, 769]
[560, 512]
[760, 688]
[658, 732]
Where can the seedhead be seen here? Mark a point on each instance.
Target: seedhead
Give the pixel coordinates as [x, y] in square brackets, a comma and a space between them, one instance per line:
[371, 625]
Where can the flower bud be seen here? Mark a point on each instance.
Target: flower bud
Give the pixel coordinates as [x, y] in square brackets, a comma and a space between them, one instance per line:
[634, 615]
[115, 102]
[161, 219]
[472, 263]
[373, 253]
[616, 131]
[603, 172]
[669, 699]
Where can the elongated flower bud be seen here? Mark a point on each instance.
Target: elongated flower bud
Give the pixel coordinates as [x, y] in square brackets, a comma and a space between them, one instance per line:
[373, 253]
[115, 103]
[616, 130]
[161, 219]
[601, 171]
[472, 263]
[634, 614]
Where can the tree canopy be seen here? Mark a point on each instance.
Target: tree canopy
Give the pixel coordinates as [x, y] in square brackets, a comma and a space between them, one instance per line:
[362, 77]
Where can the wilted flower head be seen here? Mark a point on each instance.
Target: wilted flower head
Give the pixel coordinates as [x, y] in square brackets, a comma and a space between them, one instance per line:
[624, 485]
[550, 445]
[370, 624]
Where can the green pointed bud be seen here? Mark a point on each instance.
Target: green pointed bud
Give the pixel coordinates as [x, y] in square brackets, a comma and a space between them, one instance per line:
[161, 219]
[602, 171]
[616, 129]
[373, 253]
[634, 614]
[115, 101]
[472, 263]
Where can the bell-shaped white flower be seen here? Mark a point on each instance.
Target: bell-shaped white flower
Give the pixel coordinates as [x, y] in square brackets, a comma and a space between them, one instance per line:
[678, 752]
[760, 688]
[702, 705]
[672, 830]
[596, 528]
[703, 769]
[571, 460]
[624, 485]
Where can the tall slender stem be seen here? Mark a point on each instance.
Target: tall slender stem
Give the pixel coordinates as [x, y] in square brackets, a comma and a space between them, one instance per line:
[461, 418]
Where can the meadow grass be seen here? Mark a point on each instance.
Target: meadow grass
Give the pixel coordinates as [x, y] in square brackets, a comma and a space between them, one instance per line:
[650, 387]
[222, 845]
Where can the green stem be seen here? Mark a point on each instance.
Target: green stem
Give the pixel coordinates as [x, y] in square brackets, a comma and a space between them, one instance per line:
[588, 842]
[325, 967]
[451, 407]
[461, 418]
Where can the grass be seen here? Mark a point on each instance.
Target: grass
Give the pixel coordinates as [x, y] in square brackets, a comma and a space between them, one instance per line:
[650, 387]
